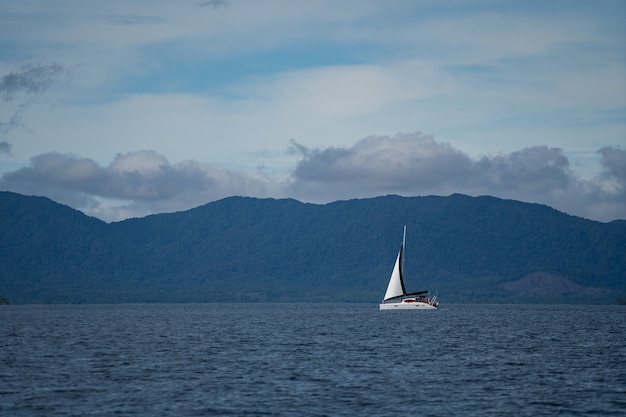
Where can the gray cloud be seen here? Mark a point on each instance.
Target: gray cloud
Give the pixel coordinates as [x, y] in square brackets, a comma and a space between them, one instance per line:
[5, 147]
[537, 169]
[213, 3]
[415, 164]
[609, 189]
[614, 160]
[29, 79]
[378, 165]
[144, 182]
[20, 89]
[135, 184]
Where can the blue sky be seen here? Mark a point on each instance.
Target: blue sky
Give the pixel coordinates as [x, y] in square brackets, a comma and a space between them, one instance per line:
[126, 108]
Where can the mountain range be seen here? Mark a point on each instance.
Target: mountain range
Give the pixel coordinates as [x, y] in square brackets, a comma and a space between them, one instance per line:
[241, 249]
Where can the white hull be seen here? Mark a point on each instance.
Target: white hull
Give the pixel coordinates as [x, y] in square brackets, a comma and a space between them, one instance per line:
[407, 306]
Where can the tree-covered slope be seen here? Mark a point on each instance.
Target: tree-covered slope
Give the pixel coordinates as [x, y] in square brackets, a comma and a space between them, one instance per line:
[247, 249]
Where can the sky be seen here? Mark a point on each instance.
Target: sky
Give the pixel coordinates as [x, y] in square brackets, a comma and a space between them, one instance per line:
[127, 108]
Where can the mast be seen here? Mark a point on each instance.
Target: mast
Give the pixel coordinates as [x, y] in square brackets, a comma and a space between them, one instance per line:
[402, 256]
[396, 288]
[403, 253]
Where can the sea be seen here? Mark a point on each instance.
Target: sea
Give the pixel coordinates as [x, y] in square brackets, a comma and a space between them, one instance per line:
[232, 359]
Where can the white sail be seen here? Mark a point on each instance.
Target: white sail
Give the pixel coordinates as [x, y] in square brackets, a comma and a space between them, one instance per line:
[395, 287]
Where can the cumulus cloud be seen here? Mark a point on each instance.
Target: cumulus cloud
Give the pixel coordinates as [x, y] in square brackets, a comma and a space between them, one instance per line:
[417, 164]
[614, 160]
[610, 185]
[144, 182]
[378, 164]
[537, 169]
[134, 184]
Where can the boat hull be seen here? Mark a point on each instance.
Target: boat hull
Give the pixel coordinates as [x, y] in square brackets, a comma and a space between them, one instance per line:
[407, 306]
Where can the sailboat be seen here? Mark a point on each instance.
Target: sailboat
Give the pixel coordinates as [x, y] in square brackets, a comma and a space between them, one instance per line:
[396, 297]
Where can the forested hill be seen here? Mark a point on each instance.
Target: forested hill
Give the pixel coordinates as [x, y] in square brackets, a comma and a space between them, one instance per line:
[469, 249]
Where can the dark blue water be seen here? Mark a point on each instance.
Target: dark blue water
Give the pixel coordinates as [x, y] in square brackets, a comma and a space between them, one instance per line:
[312, 360]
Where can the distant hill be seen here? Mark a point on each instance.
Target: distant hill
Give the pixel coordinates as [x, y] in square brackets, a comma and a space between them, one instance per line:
[469, 249]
